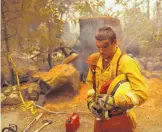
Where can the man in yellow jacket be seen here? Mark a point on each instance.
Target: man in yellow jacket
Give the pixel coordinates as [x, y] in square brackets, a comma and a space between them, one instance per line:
[115, 85]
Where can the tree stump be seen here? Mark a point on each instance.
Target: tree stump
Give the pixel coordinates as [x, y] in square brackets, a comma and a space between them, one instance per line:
[60, 76]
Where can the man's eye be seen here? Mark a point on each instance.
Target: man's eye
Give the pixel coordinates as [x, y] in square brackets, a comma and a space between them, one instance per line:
[105, 46]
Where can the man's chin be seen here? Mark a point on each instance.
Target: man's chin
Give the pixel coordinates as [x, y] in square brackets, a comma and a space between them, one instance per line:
[106, 57]
[103, 56]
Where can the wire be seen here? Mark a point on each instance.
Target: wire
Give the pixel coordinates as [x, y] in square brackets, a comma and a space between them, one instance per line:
[60, 112]
[9, 129]
[26, 104]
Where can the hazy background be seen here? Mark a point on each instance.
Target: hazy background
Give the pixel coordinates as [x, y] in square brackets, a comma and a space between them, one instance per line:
[40, 34]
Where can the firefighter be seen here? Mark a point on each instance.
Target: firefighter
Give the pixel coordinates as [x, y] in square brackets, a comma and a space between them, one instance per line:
[115, 85]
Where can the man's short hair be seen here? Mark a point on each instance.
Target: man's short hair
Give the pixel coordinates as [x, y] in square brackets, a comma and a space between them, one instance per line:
[105, 33]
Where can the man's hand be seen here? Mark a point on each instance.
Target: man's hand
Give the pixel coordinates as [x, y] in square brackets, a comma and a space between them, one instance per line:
[105, 101]
[95, 109]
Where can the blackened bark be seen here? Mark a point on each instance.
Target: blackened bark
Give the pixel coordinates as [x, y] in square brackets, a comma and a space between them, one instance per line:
[50, 60]
[6, 40]
[64, 52]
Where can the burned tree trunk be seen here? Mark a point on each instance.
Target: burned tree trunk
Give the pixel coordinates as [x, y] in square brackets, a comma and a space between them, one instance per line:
[6, 40]
[148, 9]
[50, 60]
[88, 27]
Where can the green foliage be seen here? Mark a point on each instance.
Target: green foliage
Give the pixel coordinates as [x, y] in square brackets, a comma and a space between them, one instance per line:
[135, 22]
[138, 28]
[88, 8]
[42, 23]
[39, 23]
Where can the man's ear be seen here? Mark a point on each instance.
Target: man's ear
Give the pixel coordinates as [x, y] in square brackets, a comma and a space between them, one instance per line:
[115, 42]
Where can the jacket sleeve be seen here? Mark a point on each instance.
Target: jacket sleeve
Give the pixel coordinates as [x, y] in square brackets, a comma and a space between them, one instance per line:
[91, 91]
[138, 93]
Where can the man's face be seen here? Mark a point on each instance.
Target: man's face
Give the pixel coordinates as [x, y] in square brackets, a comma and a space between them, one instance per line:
[106, 48]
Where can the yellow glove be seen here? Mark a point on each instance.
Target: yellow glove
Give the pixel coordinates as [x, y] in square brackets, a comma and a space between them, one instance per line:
[98, 111]
[95, 109]
[105, 101]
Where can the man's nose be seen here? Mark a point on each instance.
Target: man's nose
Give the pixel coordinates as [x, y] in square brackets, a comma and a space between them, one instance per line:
[100, 50]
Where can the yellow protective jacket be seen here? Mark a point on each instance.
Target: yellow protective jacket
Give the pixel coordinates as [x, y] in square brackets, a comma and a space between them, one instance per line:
[138, 93]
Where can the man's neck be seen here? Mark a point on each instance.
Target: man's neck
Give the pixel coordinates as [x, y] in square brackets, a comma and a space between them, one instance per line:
[109, 58]
[106, 61]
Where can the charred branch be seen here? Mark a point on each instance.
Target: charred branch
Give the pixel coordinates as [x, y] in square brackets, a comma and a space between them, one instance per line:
[60, 48]
[12, 19]
[35, 56]
[14, 34]
[64, 52]
[50, 60]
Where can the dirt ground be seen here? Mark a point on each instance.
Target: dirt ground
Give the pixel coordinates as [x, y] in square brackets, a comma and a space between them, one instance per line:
[149, 115]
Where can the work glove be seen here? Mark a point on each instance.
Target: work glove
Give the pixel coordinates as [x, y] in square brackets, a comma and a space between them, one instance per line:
[105, 101]
[95, 109]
